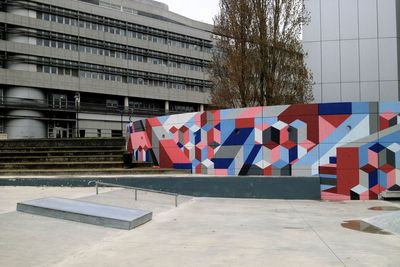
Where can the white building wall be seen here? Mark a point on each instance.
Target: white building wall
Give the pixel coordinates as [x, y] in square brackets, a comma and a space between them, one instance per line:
[352, 48]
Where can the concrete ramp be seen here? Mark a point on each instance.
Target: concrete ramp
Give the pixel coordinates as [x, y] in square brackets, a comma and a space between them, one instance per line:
[388, 221]
[86, 212]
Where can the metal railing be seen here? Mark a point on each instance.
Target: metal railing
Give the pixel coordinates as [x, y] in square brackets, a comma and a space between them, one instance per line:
[70, 106]
[97, 183]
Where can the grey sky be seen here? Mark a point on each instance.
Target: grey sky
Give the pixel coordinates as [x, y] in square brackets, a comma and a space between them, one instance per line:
[201, 10]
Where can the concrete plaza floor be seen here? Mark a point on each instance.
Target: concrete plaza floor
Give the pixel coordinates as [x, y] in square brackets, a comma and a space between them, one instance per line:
[199, 232]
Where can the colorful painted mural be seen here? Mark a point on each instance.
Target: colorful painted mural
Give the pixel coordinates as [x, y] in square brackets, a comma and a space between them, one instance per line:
[353, 147]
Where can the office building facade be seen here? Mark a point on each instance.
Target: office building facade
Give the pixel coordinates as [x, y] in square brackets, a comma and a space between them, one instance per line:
[353, 49]
[80, 68]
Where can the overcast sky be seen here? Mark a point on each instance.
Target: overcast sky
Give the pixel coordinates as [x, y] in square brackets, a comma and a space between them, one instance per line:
[201, 10]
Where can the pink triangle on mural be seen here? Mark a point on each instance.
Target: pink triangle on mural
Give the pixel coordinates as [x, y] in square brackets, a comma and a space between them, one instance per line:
[325, 129]
[335, 120]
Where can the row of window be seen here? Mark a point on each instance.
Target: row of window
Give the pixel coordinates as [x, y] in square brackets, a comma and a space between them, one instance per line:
[182, 108]
[117, 78]
[120, 31]
[99, 44]
[102, 69]
[116, 54]
[136, 104]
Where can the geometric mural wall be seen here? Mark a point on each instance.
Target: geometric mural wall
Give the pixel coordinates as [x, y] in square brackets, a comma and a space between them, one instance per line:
[353, 147]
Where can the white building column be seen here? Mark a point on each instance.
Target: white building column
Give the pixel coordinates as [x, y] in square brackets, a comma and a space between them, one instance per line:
[126, 103]
[166, 106]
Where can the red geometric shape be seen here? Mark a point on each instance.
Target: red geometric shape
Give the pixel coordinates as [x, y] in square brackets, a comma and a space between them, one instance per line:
[284, 135]
[267, 171]
[262, 126]
[371, 195]
[183, 129]
[201, 145]
[244, 123]
[288, 144]
[325, 129]
[347, 160]
[197, 153]
[153, 122]
[271, 145]
[216, 116]
[171, 154]
[210, 152]
[139, 139]
[186, 152]
[308, 145]
[173, 129]
[373, 158]
[307, 113]
[328, 169]
[391, 178]
[198, 169]
[250, 113]
[384, 120]
[211, 136]
[368, 168]
[203, 119]
[335, 120]
[387, 168]
[377, 189]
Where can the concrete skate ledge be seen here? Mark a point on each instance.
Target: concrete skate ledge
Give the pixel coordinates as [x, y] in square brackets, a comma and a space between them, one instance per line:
[86, 212]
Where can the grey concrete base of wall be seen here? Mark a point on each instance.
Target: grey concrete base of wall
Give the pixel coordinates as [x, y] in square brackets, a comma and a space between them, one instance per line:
[199, 186]
[387, 195]
[86, 212]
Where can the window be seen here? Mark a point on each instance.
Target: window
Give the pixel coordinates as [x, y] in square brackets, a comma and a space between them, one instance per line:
[112, 103]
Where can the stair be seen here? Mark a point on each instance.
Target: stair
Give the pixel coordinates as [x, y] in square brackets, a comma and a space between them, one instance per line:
[75, 157]
[54, 154]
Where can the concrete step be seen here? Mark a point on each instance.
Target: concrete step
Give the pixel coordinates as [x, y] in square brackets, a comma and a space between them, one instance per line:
[390, 194]
[86, 212]
[77, 142]
[141, 164]
[28, 173]
[73, 158]
[61, 152]
[60, 165]
[58, 148]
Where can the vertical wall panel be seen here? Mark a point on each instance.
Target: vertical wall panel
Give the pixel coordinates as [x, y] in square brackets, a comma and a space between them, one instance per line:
[350, 69]
[369, 60]
[312, 31]
[331, 62]
[330, 19]
[368, 19]
[348, 19]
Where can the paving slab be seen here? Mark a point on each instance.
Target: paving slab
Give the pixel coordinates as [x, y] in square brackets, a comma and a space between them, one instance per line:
[200, 232]
[86, 212]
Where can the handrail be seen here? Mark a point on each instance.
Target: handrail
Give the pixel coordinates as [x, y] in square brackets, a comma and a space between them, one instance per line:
[97, 183]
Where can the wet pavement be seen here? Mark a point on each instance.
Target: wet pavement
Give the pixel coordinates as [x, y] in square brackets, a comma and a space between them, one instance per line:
[385, 208]
[359, 225]
[199, 232]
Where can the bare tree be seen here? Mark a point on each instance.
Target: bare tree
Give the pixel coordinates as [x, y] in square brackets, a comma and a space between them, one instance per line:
[259, 59]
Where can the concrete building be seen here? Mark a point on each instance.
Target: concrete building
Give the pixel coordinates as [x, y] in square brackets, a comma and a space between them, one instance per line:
[353, 49]
[81, 68]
